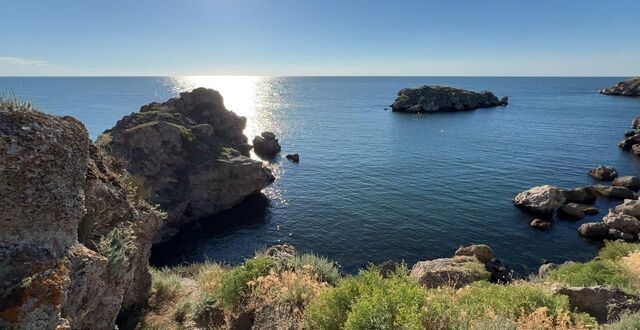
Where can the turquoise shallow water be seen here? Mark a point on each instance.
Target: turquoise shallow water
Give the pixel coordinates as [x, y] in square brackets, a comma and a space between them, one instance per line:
[375, 185]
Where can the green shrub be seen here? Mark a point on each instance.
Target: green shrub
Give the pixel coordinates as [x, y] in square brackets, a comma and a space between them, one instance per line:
[369, 301]
[165, 284]
[448, 308]
[203, 305]
[234, 283]
[595, 272]
[118, 246]
[325, 269]
[614, 250]
[626, 322]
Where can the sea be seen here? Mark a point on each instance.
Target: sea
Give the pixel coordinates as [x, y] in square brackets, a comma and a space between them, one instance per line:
[375, 185]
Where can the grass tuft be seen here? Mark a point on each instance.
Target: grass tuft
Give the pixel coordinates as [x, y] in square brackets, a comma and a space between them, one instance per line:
[118, 246]
[12, 103]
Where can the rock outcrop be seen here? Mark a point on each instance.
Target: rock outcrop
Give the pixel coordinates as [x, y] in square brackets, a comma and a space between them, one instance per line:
[455, 272]
[482, 252]
[605, 303]
[629, 181]
[441, 98]
[630, 87]
[620, 223]
[541, 200]
[614, 191]
[266, 144]
[189, 155]
[607, 173]
[583, 195]
[75, 238]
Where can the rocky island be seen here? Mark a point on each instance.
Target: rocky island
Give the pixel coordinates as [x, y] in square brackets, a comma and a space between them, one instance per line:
[189, 155]
[630, 87]
[441, 98]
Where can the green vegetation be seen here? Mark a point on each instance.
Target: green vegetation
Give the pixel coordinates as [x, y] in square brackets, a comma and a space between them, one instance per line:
[118, 246]
[325, 269]
[165, 285]
[614, 250]
[234, 284]
[626, 322]
[369, 301]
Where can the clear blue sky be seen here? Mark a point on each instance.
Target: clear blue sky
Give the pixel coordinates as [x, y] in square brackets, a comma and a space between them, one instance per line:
[324, 37]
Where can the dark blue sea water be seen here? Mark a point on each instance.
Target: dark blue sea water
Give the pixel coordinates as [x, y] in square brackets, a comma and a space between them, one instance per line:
[373, 185]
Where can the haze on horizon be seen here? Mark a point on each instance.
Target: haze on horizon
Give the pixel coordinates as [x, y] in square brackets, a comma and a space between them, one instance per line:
[331, 37]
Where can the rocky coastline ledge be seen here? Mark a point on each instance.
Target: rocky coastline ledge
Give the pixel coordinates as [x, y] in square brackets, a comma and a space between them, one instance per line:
[189, 155]
[441, 98]
[630, 87]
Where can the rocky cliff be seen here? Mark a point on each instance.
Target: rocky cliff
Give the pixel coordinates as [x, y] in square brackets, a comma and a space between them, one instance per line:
[189, 154]
[75, 238]
[441, 98]
[630, 87]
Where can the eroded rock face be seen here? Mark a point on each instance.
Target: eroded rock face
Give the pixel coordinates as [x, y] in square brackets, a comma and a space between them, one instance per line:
[540, 200]
[630, 87]
[605, 303]
[64, 210]
[441, 98]
[189, 154]
[455, 272]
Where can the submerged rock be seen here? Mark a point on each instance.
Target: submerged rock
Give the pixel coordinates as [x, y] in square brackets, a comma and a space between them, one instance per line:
[266, 144]
[630, 87]
[540, 199]
[455, 272]
[606, 173]
[572, 211]
[75, 239]
[441, 98]
[189, 155]
[540, 224]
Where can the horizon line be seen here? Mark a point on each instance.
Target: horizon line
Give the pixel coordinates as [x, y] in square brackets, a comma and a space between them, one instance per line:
[320, 76]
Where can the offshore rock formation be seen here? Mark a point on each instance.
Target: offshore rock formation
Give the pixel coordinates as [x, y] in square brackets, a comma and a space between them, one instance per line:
[630, 87]
[620, 223]
[266, 144]
[441, 98]
[75, 238]
[189, 154]
[606, 173]
[541, 200]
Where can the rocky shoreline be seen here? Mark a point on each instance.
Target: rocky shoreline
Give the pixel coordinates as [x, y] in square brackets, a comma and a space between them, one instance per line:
[79, 220]
[630, 87]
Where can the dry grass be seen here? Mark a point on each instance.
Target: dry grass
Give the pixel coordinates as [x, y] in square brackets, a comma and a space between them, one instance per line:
[12, 103]
[632, 265]
[289, 287]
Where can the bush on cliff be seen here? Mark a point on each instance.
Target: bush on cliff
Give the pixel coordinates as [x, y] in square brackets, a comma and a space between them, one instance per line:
[234, 284]
[118, 246]
[369, 301]
[325, 269]
[614, 250]
[11, 103]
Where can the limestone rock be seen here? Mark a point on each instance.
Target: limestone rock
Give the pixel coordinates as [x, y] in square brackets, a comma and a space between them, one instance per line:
[266, 144]
[622, 222]
[440, 98]
[293, 157]
[614, 191]
[75, 242]
[605, 303]
[545, 269]
[540, 224]
[584, 195]
[571, 211]
[629, 207]
[540, 200]
[629, 181]
[606, 173]
[481, 252]
[630, 87]
[596, 230]
[456, 272]
[629, 142]
[189, 155]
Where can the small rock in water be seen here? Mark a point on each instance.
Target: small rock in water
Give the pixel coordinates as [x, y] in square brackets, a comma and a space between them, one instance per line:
[293, 157]
[571, 211]
[629, 181]
[606, 173]
[629, 133]
[540, 224]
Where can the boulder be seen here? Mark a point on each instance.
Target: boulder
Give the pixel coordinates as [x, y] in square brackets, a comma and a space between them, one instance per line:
[629, 181]
[545, 269]
[540, 224]
[615, 192]
[481, 252]
[630, 133]
[266, 144]
[629, 142]
[635, 149]
[605, 303]
[387, 268]
[189, 155]
[629, 207]
[596, 230]
[441, 98]
[540, 200]
[571, 211]
[75, 241]
[589, 210]
[615, 234]
[606, 173]
[584, 195]
[635, 123]
[293, 157]
[630, 87]
[622, 222]
[455, 272]
[500, 272]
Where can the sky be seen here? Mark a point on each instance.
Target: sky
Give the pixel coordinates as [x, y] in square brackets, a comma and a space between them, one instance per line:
[324, 37]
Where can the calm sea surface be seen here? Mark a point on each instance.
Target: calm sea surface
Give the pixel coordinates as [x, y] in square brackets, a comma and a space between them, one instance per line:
[374, 185]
